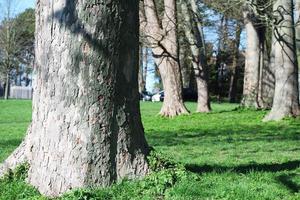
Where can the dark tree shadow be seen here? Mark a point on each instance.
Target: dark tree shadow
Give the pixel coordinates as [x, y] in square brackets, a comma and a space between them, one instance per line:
[287, 181]
[244, 169]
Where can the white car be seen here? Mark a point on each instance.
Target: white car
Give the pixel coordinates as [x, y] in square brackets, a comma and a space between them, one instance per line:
[158, 97]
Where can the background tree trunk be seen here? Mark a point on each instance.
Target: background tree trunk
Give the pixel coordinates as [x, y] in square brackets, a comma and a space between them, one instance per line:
[6, 90]
[141, 71]
[193, 33]
[286, 97]
[234, 71]
[145, 70]
[259, 77]
[185, 64]
[163, 39]
[252, 62]
[86, 126]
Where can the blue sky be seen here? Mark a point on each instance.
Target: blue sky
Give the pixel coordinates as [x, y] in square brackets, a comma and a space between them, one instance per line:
[23, 4]
[18, 6]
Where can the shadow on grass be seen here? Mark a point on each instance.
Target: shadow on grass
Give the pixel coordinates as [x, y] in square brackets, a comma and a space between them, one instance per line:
[224, 134]
[12, 142]
[244, 169]
[287, 181]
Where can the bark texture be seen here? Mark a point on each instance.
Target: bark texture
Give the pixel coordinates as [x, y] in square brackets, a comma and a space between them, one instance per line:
[194, 35]
[286, 97]
[86, 127]
[258, 78]
[162, 36]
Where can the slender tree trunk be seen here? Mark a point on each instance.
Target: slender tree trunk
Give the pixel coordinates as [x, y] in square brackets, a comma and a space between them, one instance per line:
[141, 70]
[145, 70]
[193, 34]
[163, 39]
[234, 74]
[223, 41]
[86, 127]
[6, 91]
[286, 97]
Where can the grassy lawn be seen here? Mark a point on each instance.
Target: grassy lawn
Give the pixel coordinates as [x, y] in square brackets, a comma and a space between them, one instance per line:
[227, 154]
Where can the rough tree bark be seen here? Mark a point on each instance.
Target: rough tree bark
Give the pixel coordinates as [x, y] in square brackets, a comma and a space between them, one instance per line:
[162, 36]
[286, 97]
[193, 33]
[86, 128]
[259, 78]
[252, 62]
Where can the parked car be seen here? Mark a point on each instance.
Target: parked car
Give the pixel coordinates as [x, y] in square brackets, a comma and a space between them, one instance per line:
[145, 96]
[158, 97]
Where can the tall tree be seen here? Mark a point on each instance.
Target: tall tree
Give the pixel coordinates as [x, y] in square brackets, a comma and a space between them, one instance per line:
[195, 38]
[162, 35]
[259, 77]
[286, 97]
[8, 44]
[232, 94]
[86, 127]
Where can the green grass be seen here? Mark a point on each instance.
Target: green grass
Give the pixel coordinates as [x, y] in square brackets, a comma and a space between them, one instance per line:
[227, 154]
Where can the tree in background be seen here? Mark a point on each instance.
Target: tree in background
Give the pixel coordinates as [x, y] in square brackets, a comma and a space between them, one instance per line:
[161, 33]
[16, 43]
[86, 127]
[226, 72]
[8, 45]
[195, 39]
[234, 70]
[25, 29]
[259, 77]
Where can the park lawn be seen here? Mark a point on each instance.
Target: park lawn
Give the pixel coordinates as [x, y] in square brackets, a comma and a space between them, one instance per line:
[227, 154]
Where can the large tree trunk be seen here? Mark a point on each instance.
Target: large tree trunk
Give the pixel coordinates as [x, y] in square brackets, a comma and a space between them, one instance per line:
[86, 127]
[193, 33]
[286, 97]
[163, 40]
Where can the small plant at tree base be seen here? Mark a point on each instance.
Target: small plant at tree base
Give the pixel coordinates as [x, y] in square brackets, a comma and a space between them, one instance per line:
[165, 174]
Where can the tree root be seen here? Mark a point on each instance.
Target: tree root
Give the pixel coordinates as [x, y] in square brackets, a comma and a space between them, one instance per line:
[203, 109]
[171, 111]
